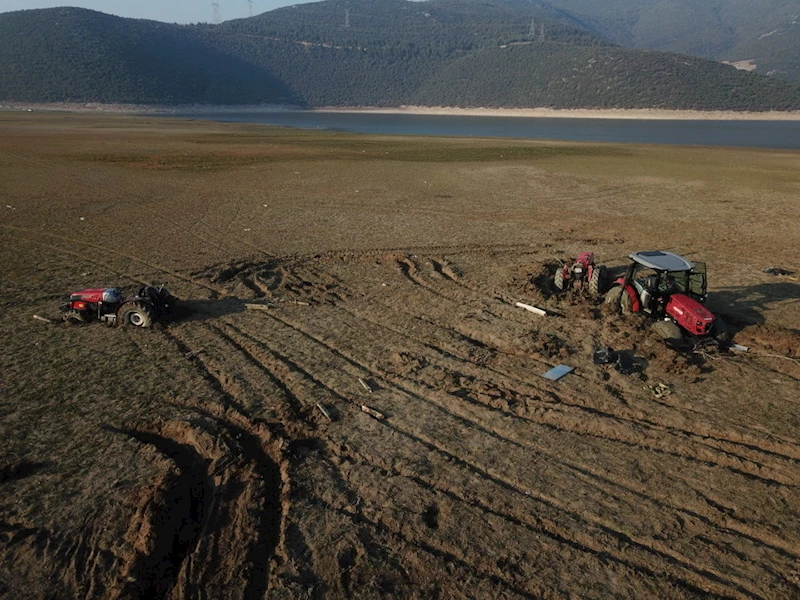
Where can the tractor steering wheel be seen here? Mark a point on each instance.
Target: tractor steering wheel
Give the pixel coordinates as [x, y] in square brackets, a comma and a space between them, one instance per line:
[666, 285]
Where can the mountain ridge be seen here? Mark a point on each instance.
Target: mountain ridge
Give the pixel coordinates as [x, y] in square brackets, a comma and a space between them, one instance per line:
[363, 53]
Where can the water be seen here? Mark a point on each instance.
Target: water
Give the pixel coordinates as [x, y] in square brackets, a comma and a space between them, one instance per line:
[752, 134]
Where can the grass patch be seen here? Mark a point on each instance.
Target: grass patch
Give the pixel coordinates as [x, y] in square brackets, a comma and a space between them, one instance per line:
[211, 154]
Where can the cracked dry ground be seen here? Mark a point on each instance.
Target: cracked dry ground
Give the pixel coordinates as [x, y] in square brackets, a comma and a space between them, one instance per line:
[194, 461]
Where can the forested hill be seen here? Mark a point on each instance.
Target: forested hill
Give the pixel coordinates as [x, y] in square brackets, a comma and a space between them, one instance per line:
[494, 53]
[763, 35]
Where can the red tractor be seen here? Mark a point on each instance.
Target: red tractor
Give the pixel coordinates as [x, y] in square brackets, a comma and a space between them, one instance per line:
[672, 290]
[109, 306]
[581, 273]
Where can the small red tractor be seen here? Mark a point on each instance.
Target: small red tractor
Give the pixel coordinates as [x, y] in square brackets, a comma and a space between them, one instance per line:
[671, 289]
[110, 306]
[583, 273]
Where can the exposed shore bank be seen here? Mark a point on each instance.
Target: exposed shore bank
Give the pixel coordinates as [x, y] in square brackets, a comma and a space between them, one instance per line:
[549, 113]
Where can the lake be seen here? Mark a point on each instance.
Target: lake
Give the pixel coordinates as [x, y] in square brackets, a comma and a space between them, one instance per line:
[752, 134]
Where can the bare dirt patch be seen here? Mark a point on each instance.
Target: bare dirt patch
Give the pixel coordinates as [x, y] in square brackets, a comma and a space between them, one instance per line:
[226, 451]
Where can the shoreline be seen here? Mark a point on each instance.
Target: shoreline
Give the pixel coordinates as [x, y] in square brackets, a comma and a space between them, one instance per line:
[543, 113]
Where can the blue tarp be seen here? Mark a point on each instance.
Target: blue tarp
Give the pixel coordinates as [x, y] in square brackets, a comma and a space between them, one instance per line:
[558, 372]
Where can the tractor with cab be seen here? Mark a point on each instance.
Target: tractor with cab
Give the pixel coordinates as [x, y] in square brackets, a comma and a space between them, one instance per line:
[673, 291]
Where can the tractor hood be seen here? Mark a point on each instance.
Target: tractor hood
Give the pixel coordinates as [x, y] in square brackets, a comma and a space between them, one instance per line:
[90, 295]
[95, 295]
[690, 314]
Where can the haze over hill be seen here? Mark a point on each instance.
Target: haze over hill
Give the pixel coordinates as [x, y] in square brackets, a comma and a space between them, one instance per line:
[763, 35]
[465, 53]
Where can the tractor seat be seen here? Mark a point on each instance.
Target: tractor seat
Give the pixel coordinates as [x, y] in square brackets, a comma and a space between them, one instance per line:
[649, 283]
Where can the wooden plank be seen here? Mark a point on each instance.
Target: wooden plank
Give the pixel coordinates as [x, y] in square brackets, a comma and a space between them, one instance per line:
[252, 306]
[324, 411]
[372, 412]
[534, 309]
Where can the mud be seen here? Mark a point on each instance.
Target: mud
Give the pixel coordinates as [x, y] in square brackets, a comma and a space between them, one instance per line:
[195, 460]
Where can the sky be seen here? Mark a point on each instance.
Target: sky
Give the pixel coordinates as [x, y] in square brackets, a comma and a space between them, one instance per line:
[168, 11]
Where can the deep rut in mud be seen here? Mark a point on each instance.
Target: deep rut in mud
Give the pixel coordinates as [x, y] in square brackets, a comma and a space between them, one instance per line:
[214, 521]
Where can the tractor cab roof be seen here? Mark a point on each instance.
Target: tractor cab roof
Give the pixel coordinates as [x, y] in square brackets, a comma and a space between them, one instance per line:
[661, 260]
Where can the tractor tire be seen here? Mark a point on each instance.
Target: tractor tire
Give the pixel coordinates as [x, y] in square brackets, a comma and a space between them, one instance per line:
[597, 283]
[558, 279]
[73, 317]
[669, 332]
[620, 298]
[134, 314]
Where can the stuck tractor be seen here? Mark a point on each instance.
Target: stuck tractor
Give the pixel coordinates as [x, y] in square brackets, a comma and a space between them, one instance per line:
[581, 273]
[110, 306]
[673, 291]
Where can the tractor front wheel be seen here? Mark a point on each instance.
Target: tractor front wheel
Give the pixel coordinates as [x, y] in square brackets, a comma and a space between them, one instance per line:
[135, 314]
[619, 297]
[669, 332]
[597, 281]
[558, 279]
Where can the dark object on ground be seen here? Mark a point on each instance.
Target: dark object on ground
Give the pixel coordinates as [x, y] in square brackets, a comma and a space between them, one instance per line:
[604, 356]
[625, 364]
[628, 364]
[778, 271]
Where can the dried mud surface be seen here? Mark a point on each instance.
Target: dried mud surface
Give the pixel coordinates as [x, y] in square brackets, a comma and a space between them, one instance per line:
[225, 452]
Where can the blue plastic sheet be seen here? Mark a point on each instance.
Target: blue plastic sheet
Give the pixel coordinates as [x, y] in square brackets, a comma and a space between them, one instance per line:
[558, 372]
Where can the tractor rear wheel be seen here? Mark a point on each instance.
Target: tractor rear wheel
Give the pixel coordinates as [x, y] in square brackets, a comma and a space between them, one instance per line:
[558, 279]
[135, 314]
[619, 297]
[597, 281]
[669, 332]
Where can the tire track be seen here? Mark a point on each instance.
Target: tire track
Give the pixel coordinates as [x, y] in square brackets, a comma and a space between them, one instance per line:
[439, 485]
[730, 442]
[703, 576]
[84, 243]
[188, 531]
[655, 547]
[573, 423]
[444, 556]
[593, 477]
[411, 271]
[705, 437]
[708, 436]
[274, 370]
[541, 526]
[444, 269]
[250, 481]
